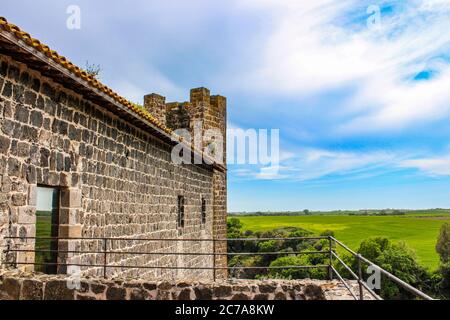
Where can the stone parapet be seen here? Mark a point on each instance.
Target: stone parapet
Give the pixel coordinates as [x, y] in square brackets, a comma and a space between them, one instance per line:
[28, 286]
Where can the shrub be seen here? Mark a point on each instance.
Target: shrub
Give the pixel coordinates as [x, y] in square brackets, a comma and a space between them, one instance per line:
[234, 225]
[443, 249]
[298, 273]
[401, 261]
[372, 248]
[327, 233]
[443, 243]
[289, 273]
[398, 259]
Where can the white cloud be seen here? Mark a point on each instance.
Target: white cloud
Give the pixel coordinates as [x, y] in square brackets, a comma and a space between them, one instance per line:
[315, 164]
[311, 51]
[271, 173]
[439, 166]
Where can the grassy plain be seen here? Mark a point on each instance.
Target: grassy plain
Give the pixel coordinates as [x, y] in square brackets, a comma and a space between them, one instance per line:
[419, 230]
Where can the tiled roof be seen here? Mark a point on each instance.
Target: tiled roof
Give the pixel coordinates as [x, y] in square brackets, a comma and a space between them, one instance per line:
[78, 72]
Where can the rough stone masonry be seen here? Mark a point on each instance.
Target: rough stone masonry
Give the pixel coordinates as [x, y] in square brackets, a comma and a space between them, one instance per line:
[116, 178]
[16, 285]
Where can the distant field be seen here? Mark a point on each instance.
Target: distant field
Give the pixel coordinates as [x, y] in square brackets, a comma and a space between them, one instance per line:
[418, 230]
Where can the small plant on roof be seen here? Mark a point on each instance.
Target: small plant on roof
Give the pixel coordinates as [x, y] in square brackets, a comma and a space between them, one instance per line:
[93, 69]
[137, 105]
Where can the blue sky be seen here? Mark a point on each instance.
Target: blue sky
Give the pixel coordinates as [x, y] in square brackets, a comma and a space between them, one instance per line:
[363, 109]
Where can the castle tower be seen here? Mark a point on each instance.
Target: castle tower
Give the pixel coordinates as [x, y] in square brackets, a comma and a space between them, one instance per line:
[208, 114]
[156, 105]
[211, 112]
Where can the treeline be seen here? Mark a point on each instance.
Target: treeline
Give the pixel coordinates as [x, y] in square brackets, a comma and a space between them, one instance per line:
[396, 258]
[368, 212]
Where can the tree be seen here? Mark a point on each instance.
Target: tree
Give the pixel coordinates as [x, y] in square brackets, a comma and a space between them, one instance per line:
[234, 227]
[398, 259]
[327, 233]
[306, 212]
[443, 243]
[298, 273]
[443, 249]
[372, 248]
[401, 261]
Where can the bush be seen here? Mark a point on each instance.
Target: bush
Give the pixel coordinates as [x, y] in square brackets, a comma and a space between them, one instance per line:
[246, 261]
[443, 243]
[444, 270]
[372, 248]
[298, 273]
[234, 225]
[401, 261]
[398, 259]
[289, 273]
[443, 249]
[327, 233]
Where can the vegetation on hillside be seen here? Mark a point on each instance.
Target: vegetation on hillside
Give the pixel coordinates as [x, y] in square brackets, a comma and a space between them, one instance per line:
[443, 249]
[363, 212]
[266, 258]
[418, 231]
[396, 258]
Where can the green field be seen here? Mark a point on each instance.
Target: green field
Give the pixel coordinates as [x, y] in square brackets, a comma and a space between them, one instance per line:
[418, 231]
[44, 230]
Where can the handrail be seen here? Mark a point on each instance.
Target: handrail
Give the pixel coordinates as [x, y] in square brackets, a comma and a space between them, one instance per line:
[358, 278]
[167, 239]
[327, 251]
[344, 282]
[395, 279]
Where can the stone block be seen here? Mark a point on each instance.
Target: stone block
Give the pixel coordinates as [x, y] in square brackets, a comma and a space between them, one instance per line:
[26, 215]
[261, 296]
[240, 296]
[70, 216]
[222, 291]
[11, 287]
[71, 198]
[58, 290]
[267, 288]
[70, 231]
[97, 288]
[32, 195]
[116, 293]
[32, 290]
[186, 294]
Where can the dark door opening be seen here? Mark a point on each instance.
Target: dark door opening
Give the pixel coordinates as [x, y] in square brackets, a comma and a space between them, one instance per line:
[47, 225]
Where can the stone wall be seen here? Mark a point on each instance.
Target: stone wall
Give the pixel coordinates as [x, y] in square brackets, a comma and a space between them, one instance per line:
[38, 287]
[116, 180]
[178, 115]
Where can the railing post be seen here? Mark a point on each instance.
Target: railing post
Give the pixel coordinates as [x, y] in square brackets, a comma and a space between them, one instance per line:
[7, 253]
[330, 269]
[104, 257]
[360, 278]
[214, 260]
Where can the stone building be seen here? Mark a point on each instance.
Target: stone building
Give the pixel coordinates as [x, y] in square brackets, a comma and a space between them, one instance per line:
[109, 161]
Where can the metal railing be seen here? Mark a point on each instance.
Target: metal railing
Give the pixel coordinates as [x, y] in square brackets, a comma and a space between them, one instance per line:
[328, 251]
